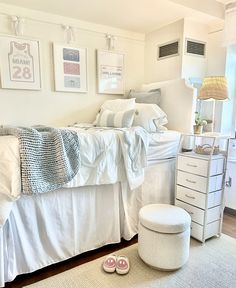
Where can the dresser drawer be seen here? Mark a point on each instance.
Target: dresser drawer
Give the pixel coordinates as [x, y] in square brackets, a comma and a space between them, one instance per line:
[199, 183]
[198, 199]
[193, 165]
[197, 214]
[211, 230]
[200, 166]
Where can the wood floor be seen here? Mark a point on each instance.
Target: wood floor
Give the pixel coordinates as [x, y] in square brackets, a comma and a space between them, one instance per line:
[229, 228]
[229, 225]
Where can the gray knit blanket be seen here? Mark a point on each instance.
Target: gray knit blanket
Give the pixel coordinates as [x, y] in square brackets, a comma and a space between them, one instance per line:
[50, 157]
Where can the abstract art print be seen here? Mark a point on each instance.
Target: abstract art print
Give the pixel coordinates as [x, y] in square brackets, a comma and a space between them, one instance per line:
[70, 68]
[110, 70]
[20, 63]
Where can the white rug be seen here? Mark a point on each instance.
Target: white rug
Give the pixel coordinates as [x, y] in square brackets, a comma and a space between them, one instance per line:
[210, 266]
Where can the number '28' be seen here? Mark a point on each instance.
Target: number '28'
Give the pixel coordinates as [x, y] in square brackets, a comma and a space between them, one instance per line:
[19, 73]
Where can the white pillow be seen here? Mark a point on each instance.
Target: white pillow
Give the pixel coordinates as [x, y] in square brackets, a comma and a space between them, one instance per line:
[149, 116]
[116, 105]
[119, 105]
[121, 119]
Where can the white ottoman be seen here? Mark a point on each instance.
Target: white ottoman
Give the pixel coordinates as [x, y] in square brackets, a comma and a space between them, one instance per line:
[164, 236]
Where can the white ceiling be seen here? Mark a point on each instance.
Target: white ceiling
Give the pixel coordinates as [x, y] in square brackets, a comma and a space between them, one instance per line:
[135, 15]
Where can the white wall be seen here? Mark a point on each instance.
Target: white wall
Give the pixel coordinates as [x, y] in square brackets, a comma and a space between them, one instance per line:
[21, 107]
[216, 53]
[168, 68]
[181, 66]
[228, 117]
[194, 65]
[216, 66]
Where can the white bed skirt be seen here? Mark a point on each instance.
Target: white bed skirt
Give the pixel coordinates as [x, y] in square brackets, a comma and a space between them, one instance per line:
[45, 229]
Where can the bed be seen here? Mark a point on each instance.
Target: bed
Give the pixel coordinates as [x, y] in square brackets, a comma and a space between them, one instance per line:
[98, 207]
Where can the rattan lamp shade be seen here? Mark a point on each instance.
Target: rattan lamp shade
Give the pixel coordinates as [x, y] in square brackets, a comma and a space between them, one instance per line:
[214, 87]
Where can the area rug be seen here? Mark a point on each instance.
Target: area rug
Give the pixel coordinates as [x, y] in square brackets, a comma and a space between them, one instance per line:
[211, 265]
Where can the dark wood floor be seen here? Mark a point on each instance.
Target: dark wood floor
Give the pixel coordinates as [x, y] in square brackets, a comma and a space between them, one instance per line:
[229, 228]
[229, 225]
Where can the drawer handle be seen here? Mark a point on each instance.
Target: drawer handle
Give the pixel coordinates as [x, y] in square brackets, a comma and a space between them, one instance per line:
[191, 181]
[191, 197]
[191, 165]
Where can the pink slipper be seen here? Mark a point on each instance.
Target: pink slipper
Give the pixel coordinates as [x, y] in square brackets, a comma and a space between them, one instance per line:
[109, 264]
[122, 265]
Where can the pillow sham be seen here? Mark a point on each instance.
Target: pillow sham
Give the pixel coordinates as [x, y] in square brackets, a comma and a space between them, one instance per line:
[149, 116]
[121, 119]
[150, 97]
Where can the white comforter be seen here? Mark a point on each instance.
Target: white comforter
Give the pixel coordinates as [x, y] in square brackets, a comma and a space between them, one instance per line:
[107, 156]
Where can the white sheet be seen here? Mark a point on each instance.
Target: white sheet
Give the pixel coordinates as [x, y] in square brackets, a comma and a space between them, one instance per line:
[109, 156]
[51, 227]
[163, 145]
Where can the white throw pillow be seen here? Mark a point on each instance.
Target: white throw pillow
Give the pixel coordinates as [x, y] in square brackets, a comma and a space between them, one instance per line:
[149, 116]
[121, 119]
[116, 105]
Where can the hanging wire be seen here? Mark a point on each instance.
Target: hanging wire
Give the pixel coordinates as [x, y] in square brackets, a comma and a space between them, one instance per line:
[74, 28]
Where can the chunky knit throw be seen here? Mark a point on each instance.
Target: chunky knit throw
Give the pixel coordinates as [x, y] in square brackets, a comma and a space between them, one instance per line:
[50, 157]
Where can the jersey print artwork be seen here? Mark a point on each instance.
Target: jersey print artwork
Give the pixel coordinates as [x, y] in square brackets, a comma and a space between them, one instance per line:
[21, 62]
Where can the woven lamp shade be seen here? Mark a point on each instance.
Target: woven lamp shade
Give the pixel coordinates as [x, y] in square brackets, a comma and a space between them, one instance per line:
[214, 87]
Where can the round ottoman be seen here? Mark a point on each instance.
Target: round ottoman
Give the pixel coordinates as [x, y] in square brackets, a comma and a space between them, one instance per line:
[164, 236]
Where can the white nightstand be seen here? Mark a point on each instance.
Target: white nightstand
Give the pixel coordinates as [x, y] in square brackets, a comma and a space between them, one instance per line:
[200, 184]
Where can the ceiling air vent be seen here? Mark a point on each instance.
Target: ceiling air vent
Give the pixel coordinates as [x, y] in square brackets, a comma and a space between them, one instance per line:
[168, 50]
[195, 47]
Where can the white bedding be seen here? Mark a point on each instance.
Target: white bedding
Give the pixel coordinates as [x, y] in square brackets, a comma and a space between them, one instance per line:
[162, 145]
[105, 158]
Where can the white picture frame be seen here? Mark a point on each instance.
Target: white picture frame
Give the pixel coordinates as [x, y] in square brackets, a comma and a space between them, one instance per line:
[110, 72]
[70, 68]
[20, 63]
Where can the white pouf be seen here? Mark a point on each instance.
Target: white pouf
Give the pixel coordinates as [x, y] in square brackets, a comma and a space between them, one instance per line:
[164, 236]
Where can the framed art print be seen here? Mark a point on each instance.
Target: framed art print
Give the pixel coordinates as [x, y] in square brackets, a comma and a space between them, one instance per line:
[70, 68]
[20, 63]
[110, 72]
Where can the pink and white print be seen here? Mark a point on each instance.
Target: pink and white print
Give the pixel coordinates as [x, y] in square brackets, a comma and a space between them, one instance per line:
[20, 63]
[71, 68]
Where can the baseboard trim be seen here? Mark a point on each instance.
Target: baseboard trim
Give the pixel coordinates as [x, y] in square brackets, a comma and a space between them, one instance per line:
[230, 211]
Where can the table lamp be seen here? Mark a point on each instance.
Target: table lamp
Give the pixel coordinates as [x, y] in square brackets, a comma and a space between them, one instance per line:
[214, 88]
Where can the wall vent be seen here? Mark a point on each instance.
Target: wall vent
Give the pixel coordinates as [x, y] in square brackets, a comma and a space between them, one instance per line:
[195, 47]
[168, 50]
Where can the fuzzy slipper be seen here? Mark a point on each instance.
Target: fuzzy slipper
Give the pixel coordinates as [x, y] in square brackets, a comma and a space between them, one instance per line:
[122, 265]
[109, 264]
